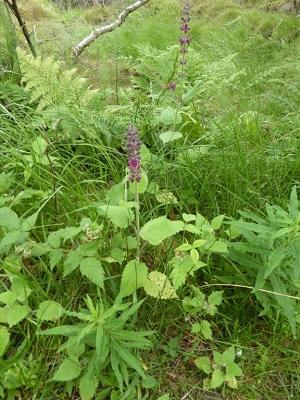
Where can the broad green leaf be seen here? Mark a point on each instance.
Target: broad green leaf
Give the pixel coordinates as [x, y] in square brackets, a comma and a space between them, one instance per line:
[87, 386]
[49, 311]
[169, 116]
[55, 255]
[15, 313]
[194, 256]
[231, 382]
[184, 247]
[8, 297]
[217, 379]
[134, 276]
[29, 223]
[204, 364]
[205, 329]
[9, 220]
[188, 217]
[67, 371]
[159, 286]
[39, 146]
[159, 229]
[91, 268]
[20, 287]
[141, 186]
[170, 136]
[164, 397]
[217, 222]
[72, 261]
[12, 238]
[229, 355]
[232, 369]
[218, 357]
[182, 267]
[273, 261]
[217, 247]
[70, 232]
[119, 216]
[4, 339]
[215, 298]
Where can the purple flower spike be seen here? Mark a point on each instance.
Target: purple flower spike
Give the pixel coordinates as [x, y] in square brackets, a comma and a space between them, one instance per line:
[185, 40]
[133, 150]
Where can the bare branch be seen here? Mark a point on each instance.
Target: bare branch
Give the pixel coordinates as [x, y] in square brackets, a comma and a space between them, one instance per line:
[101, 30]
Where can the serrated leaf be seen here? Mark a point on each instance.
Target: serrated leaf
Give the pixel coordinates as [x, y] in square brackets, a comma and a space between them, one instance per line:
[217, 247]
[217, 222]
[233, 369]
[188, 217]
[184, 247]
[159, 229]
[87, 386]
[217, 379]
[9, 220]
[229, 355]
[119, 216]
[49, 311]
[169, 116]
[134, 276]
[194, 256]
[92, 269]
[4, 339]
[159, 286]
[55, 255]
[231, 382]
[67, 371]
[170, 136]
[205, 329]
[215, 298]
[15, 313]
[8, 297]
[29, 223]
[204, 364]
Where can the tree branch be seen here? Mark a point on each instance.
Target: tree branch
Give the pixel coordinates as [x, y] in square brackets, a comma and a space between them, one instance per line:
[101, 30]
[12, 4]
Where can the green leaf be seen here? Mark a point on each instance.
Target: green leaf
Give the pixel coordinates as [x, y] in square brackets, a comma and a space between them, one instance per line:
[294, 204]
[4, 339]
[232, 369]
[215, 298]
[134, 276]
[231, 382]
[15, 313]
[169, 136]
[9, 220]
[20, 287]
[128, 357]
[217, 379]
[159, 286]
[141, 186]
[205, 329]
[119, 216]
[55, 255]
[217, 247]
[159, 229]
[218, 357]
[88, 386]
[188, 217]
[29, 223]
[49, 311]
[217, 222]
[69, 233]
[229, 355]
[184, 247]
[72, 261]
[170, 116]
[91, 268]
[194, 256]
[164, 397]
[67, 371]
[204, 364]
[39, 146]
[273, 261]
[8, 297]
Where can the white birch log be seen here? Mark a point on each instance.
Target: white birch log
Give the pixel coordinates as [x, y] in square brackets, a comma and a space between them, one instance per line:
[101, 30]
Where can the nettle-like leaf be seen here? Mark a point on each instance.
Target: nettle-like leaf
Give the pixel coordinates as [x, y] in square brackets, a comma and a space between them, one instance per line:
[88, 386]
[120, 216]
[12, 314]
[159, 286]
[159, 229]
[49, 310]
[217, 379]
[169, 116]
[166, 197]
[91, 268]
[134, 276]
[68, 370]
[4, 339]
[9, 220]
[204, 364]
[203, 329]
[170, 136]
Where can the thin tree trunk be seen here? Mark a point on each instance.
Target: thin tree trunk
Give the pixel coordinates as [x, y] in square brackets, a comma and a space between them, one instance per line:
[101, 30]
[15, 10]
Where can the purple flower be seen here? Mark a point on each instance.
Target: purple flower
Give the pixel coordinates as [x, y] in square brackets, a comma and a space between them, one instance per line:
[172, 86]
[185, 40]
[133, 151]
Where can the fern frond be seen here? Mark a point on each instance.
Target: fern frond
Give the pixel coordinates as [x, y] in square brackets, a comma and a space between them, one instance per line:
[49, 85]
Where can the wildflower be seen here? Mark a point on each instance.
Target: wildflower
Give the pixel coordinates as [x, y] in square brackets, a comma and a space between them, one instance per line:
[133, 150]
[172, 86]
[185, 40]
